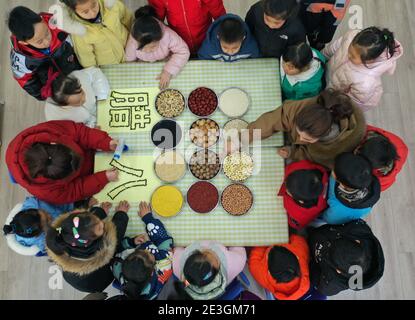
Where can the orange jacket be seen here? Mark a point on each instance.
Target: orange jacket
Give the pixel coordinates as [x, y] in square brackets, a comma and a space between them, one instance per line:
[294, 290]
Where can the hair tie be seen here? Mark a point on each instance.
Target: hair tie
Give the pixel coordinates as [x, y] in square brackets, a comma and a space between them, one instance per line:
[59, 230]
[28, 231]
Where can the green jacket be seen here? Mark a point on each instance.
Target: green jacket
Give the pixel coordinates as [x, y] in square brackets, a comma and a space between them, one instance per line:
[308, 84]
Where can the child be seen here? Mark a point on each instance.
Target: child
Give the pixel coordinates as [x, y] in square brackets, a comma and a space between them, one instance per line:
[229, 39]
[321, 19]
[38, 51]
[275, 25]
[151, 41]
[387, 154]
[99, 30]
[357, 62]
[341, 252]
[54, 161]
[145, 265]
[282, 269]
[302, 72]
[305, 192]
[30, 223]
[83, 243]
[206, 268]
[353, 190]
[75, 97]
[190, 19]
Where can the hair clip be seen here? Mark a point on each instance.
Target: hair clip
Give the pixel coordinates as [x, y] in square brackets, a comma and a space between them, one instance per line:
[28, 231]
[59, 230]
[207, 276]
[76, 222]
[75, 233]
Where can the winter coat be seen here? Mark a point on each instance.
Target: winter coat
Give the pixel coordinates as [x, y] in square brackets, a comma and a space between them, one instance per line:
[362, 84]
[232, 262]
[82, 140]
[171, 47]
[273, 42]
[338, 212]
[212, 50]
[98, 44]
[386, 181]
[296, 288]
[307, 84]
[323, 274]
[298, 216]
[31, 67]
[96, 87]
[352, 131]
[189, 18]
[160, 246]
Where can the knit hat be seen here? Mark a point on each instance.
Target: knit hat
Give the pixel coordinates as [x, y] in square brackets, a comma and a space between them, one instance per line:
[283, 265]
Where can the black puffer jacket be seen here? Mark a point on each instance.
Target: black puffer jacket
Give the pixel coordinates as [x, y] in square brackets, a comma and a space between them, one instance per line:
[323, 274]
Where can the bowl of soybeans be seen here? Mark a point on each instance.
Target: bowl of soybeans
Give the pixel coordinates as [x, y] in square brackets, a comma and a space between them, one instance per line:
[170, 103]
[237, 199]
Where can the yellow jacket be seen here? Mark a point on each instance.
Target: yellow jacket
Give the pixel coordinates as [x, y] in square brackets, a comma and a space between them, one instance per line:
[98, 44]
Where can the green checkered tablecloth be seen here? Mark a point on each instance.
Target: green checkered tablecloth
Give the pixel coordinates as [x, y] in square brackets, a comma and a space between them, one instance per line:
[266, 222]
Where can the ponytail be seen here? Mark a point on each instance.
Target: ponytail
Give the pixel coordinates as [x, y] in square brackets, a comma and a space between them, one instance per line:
[8, 229]
[146, 28]
[317, 120]
[26, 224]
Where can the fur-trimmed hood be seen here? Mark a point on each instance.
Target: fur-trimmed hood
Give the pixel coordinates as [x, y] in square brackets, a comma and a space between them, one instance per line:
[101, 258]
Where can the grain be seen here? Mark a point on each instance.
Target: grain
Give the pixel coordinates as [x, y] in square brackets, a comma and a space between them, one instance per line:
[203, 197]
[234, 102]
[204, 133]
[204, 164]
[238, 166]
[170, 103]
[170, 166]
[203, 102]
[237, 199]
[167, 201]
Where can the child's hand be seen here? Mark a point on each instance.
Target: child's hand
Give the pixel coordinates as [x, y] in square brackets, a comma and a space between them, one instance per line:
[123, 206]
[98, 127]
[284, 152]
[140, 239]
[106, 206]
[144, 209]
[112, 175]
[164, 78]
[92, 202]
[114, 145]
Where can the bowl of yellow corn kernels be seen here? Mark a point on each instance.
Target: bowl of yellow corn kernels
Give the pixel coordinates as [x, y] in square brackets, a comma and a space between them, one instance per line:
[238, 166]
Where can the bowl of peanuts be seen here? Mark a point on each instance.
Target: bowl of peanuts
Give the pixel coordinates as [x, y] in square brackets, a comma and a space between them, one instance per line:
[204, 133]
[170, 103]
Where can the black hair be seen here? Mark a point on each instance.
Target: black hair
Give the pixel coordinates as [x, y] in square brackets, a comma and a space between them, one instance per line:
[299, 55]
[280, 9]
[137, 270]
[146, 28]
[379, 151]
[353, 171]
[283, 265]
[58, 239]
[346, 253]
[52, 161]
[198, 271]
[305, 185]
[63, 87]
[26, 223]
[231, 30]
[73, 3]
[372, 42]
[21, 23]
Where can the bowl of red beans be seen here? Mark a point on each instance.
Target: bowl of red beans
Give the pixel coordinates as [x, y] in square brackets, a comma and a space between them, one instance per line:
[203, 102]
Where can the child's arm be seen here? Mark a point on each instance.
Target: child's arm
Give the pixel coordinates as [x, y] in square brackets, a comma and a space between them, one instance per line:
[99, 83]
[160, 7]
[180, 54]
[131, 50]
[215, 7]
[157, 232]
[85, 52]
[87, 138]
[331, 49]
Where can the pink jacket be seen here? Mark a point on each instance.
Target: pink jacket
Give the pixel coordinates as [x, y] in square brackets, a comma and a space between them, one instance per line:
[362, 84]
[234, 258]
[171, 47]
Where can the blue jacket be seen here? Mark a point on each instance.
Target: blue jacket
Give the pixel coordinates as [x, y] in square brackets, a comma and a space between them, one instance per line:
[53, 210]
[339, 213]
[212, 50]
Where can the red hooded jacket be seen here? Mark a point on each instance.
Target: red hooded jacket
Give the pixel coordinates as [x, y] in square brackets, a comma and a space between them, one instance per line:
[191, 19]
[294, 290]
[401, 149]
[81, 140]
[298, 216]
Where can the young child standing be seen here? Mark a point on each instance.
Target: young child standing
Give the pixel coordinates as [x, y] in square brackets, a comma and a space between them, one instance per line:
[151, 41]
[321, 19]
[282, 269]
[191, 19]
[229, 39]
[38, 51]
[304, 192]
[75, 97]
[275, 25]
[302, 72]
[99, 29]
[357, 62]
[145, 265]
[353, 190]
[387, 154]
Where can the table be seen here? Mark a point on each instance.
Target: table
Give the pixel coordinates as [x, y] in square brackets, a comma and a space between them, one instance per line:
[266, 222]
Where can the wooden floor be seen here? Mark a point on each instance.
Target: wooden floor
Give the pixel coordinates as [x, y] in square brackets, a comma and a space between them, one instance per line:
[393, 219]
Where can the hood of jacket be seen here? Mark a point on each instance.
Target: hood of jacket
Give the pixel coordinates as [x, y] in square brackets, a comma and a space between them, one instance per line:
[371, 199]
[101, 258]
